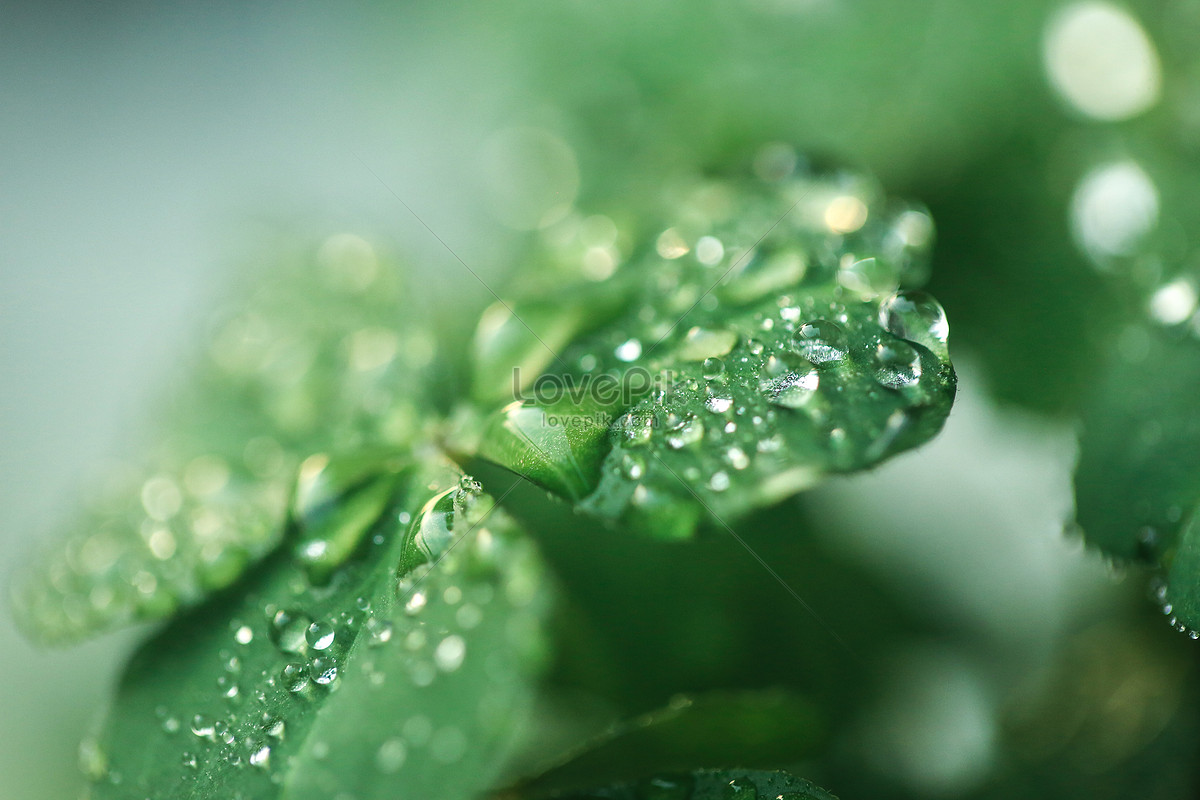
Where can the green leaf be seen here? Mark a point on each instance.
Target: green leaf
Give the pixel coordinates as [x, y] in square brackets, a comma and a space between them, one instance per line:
[1137, 481]
[404, 674]
[764, 346]
[314, 357]
[733, 784]
[746, 728]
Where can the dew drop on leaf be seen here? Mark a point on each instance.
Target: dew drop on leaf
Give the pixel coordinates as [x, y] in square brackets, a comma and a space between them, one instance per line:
[295, 676]
[916, 316]
[820, 341]
[323, 670]
[288, 628]
[320, 635]
[897, 364]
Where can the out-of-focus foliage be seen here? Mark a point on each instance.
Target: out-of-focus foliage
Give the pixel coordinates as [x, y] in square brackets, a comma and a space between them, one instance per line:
[312, 356]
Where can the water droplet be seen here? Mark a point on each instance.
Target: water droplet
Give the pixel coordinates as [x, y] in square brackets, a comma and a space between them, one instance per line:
[916, 316]
[323, 670]
[228, 686]
[897, 364]
[415, 603]
[431, 532]
[794, 389]
[222, 732]
[713, 368]
[629, 350]
[319, 635]
[719, 403]
[820, 341]
[261, 757]
[689, 431]
[274, 727]
[633, 466]
[189, 760]
[391, 756]
[719, 481]
[243, 635]
[449, 653]
[204, 727]
[295, 676]
[287, 629]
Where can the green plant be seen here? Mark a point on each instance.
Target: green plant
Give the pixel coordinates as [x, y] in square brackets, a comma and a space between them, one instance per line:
[391, 566]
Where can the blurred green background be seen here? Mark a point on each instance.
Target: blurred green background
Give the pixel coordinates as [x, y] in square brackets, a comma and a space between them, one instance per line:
[149, 151]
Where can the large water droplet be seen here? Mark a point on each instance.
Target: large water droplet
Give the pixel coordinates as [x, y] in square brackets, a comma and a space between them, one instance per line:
[713, 368]
[916, 316]
[897, 364]
[337, 500]
[689, 431]
[287, 628]
[795, 388]
[204, 727]
[719, 403]
[323, 670]
[320, 635]
[261, 757]
[295, 676]
[820, 341]
[431, 532]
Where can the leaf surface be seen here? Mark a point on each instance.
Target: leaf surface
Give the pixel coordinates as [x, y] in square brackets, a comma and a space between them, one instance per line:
[403, 675]
[764, 345]
[315, 356]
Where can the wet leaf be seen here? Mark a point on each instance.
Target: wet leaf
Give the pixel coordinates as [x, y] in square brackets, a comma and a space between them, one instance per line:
[406, 673]
[767, 344]
[314, 357]
[733, 784]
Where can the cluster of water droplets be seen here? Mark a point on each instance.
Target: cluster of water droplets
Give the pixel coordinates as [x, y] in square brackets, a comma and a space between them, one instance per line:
[768, 317]
[1160, 593]
[379, 627]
